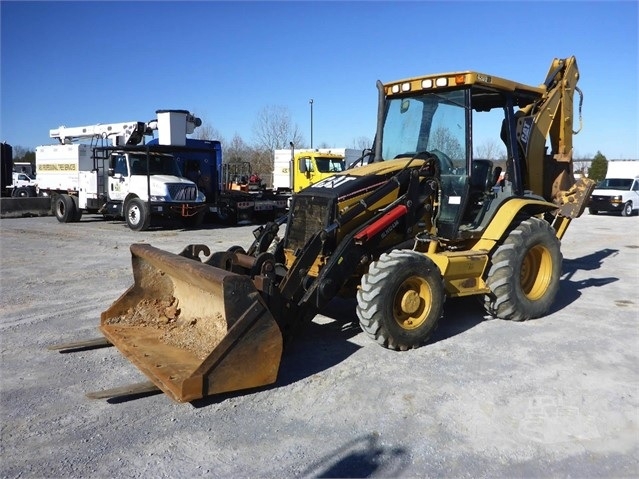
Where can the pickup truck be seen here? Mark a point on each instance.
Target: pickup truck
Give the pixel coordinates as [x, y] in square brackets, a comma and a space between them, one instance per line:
[23, 185]
[615, 194]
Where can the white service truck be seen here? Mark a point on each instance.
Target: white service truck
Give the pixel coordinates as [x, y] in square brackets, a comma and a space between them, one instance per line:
[619, 191]
[126, 179]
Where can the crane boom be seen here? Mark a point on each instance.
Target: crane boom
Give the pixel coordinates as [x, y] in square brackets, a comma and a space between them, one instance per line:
[128, 133]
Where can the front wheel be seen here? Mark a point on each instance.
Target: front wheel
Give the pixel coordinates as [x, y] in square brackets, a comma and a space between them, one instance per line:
[21, 192]
[401, 299]
[137, 215]
[627, 209]
[524, 272]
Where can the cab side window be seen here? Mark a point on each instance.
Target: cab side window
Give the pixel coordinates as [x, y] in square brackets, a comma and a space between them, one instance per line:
[119, 165]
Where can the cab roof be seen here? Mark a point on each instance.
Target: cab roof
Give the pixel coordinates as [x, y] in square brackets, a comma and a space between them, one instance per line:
[487, 89]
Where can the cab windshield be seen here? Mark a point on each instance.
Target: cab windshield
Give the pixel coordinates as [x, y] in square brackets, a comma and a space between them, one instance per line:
[158, 165]
[326, 165]
[615, 184]
[433, 122]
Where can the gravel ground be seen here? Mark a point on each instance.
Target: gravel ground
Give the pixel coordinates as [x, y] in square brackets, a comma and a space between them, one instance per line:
[554, 397]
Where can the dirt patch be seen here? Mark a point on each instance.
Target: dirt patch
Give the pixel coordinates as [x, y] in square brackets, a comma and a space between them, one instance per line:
[197, 335]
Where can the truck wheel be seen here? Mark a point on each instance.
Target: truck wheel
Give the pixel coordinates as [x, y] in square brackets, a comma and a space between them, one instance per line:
[524, 272]
[78, 211]
[593, 211]
[21, 192]
[227, 216]
[64, 208]
[401, 299]
[627, 209]
[137, 215]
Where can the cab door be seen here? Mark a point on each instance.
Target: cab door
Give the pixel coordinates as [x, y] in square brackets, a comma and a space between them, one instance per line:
[119, 176]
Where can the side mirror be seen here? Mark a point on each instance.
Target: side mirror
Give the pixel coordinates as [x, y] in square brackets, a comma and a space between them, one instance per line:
[303, 168]
[110, 172]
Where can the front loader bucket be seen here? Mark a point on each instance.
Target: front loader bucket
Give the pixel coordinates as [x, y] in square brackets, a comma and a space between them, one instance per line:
[193, 329]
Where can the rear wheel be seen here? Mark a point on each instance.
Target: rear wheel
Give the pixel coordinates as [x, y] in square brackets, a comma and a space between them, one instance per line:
[137, 215]
[627, 209]
[524, 273]
[64, 208]
[78, 211]
[227, 215]
[401, 299]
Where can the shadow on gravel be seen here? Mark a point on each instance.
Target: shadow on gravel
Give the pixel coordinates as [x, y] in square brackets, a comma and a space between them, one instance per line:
[361, 457]
[460, 315]
[570, 291]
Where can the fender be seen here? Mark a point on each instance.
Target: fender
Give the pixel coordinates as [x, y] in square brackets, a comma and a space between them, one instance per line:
[505, 216]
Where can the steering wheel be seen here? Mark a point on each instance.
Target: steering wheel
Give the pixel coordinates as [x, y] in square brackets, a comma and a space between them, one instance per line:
[445, 163]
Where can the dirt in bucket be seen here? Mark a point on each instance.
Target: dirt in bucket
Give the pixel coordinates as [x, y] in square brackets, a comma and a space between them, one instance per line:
[197, 335]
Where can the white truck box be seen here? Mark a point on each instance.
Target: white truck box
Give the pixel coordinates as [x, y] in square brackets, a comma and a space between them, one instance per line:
[58, 167]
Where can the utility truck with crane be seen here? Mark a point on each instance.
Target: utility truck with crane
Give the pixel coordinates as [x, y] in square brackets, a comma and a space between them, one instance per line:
[422, 222]
[126, 179]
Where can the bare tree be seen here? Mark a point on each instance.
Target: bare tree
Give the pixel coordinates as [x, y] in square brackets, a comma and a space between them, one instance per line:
[441, 139]
[237, 150]
[581, 164]
[19, 152]
[274, 129]
[362, 142]
[206, 131]
[490, 150]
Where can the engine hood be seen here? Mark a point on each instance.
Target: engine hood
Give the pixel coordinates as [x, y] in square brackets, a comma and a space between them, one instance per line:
[358, 180]
[167, 179]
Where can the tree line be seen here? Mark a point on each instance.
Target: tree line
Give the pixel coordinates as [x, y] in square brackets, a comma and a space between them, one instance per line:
[274, 129]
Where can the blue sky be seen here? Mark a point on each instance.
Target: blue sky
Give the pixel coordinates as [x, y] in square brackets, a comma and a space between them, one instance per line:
[80, 63]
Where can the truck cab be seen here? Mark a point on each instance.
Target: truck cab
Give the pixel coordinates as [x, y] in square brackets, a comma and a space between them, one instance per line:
[615, 195]
[144, 183]
[23, 185]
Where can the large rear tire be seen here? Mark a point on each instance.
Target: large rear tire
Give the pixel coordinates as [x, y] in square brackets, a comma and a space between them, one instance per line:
[401, 299]
[78, 211]
[64, 208]
[137, 215]
[524, 272]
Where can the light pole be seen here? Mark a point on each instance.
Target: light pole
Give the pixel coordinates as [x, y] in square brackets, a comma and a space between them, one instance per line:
[311, 102]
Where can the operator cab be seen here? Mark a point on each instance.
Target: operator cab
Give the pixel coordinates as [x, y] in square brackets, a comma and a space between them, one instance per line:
[456, 119]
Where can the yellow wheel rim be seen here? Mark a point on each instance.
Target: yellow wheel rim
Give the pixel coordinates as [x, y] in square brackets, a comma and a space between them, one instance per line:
[536, 272]
[412, 303]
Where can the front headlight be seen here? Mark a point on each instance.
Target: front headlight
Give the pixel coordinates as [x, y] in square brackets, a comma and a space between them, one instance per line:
[617, 199]
[201, 197]
[158, 198]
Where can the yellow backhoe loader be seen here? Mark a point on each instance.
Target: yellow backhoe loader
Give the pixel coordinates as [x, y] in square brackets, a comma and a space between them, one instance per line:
[421, 220]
